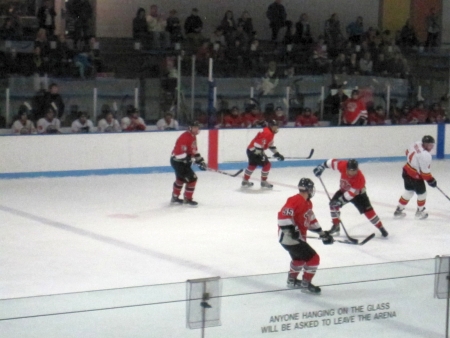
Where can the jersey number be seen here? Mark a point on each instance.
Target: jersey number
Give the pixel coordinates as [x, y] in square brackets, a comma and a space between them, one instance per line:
[288, 212]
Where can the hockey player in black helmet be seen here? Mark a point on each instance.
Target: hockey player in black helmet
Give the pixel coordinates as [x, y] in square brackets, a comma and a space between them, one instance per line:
[295, 218]
[415, 172]
[353, 190]
[256, 157]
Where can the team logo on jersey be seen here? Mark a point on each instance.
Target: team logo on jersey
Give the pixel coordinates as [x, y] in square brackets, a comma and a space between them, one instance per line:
[308, 217]
[288, 212]
[345, 185]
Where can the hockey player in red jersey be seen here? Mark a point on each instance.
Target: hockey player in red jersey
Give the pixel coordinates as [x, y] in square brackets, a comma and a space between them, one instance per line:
[352, 189]
[294, 219]
[183, 153]
[257, 157]
[354, 110]
[415, 172]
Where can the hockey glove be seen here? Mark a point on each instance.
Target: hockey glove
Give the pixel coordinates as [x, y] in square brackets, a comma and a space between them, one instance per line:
[278, 156]
[337, 203]
[200, 162]
[319, 170]
[432, 183]
[326, 238]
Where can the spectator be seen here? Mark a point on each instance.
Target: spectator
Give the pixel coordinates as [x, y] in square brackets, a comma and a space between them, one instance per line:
[334, 104]
[38, 65]
[167, 123]
[366, 64]
[253, 116]
[280, 117]
[377, 116]
[108, 124]
[242, 36]
[380, 67]
[306, 119]
[193, 28]
[408, 37]
[353, 65]
[437, 114]
[276, 13]
[94, 57]
[49, 124]
[46, 17]
[140, 28]
[247, 24]
[234, 119]
[396, 66]
[333, 34]
[23, 126]
[303, 34]
[340, 64]
[270, 79]
[433, 29]
[202, 57]
[42, 42]
[82, 62]
[157, 28]
[8, 32]
[53, 98]
[228, 26]
[320, 56]
[405, 115]
[81, 12]
[354, 110]
[174, 27]
[132, 122]
[289, 34]
[82, 124]
[61, 57]
[419, 115]
[355, 30]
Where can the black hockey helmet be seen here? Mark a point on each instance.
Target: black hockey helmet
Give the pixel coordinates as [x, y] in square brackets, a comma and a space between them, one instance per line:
[272, 123]
[355, 92]
[305, 184]
[193, 124]
[352, 164]
[428, 139]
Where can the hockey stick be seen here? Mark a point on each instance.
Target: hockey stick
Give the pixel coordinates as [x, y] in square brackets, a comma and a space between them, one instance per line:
[300, 158]
[443, 193]
[351, 239]
[225, 173]
[364, 241]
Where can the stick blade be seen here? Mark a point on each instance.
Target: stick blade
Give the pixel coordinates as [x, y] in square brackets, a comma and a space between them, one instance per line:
[368, 238]
[310, 154]
[237, 173]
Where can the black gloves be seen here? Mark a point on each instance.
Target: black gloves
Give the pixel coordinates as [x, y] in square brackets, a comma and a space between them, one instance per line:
[337, 203]
[326, 238]
[200, 162]
[278, 156]
[432, 183]
[319, 170]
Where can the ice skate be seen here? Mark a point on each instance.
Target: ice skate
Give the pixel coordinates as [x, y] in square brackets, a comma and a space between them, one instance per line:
[335, 230]
[265, 184]
[190, 202]
[176, 200]
[384, 233]
[293, 283]
[399, 213]
[246, 184]
[421, 214]
[308, 287]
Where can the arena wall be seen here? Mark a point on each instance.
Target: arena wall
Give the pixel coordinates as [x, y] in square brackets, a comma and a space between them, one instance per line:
[147, 152]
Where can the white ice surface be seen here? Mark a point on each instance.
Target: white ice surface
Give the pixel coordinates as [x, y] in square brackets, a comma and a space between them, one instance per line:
[89, 233]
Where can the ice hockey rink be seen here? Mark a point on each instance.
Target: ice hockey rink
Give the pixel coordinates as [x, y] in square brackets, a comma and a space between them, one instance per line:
[74, 234]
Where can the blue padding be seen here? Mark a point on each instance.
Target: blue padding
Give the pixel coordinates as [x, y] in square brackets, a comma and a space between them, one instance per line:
[440, 148]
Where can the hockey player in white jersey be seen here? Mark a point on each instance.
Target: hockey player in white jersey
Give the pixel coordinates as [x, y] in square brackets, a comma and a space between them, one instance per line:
[108, 124]
[82, 124]
[23, 126]
[416, 171]
[49, 124]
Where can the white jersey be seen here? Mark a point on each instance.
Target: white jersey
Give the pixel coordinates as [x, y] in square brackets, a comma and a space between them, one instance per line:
[19, 128]
[105, 127]
[86, 127]
[163, 125]
[418, 164]
[46, 127]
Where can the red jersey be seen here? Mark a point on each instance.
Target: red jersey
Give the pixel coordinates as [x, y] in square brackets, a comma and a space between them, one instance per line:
[350, 186]
[233, 121]
[263, 140]
[437, 116]
[297, 211]
[250, 119]
[306, 121]
[186, 145]
[418, 116]
[375, 119]
[353, 110]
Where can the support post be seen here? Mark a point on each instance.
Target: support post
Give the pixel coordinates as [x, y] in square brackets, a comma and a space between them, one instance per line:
[94, 105]
[177, 115]
[322, 99]
[193, 86]
[8, 106]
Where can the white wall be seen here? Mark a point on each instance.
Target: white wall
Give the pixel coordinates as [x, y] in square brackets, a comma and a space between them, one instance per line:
[114, 17]
[53, 153]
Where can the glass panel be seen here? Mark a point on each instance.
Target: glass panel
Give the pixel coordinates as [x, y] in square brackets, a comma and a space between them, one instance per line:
[391, 299]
